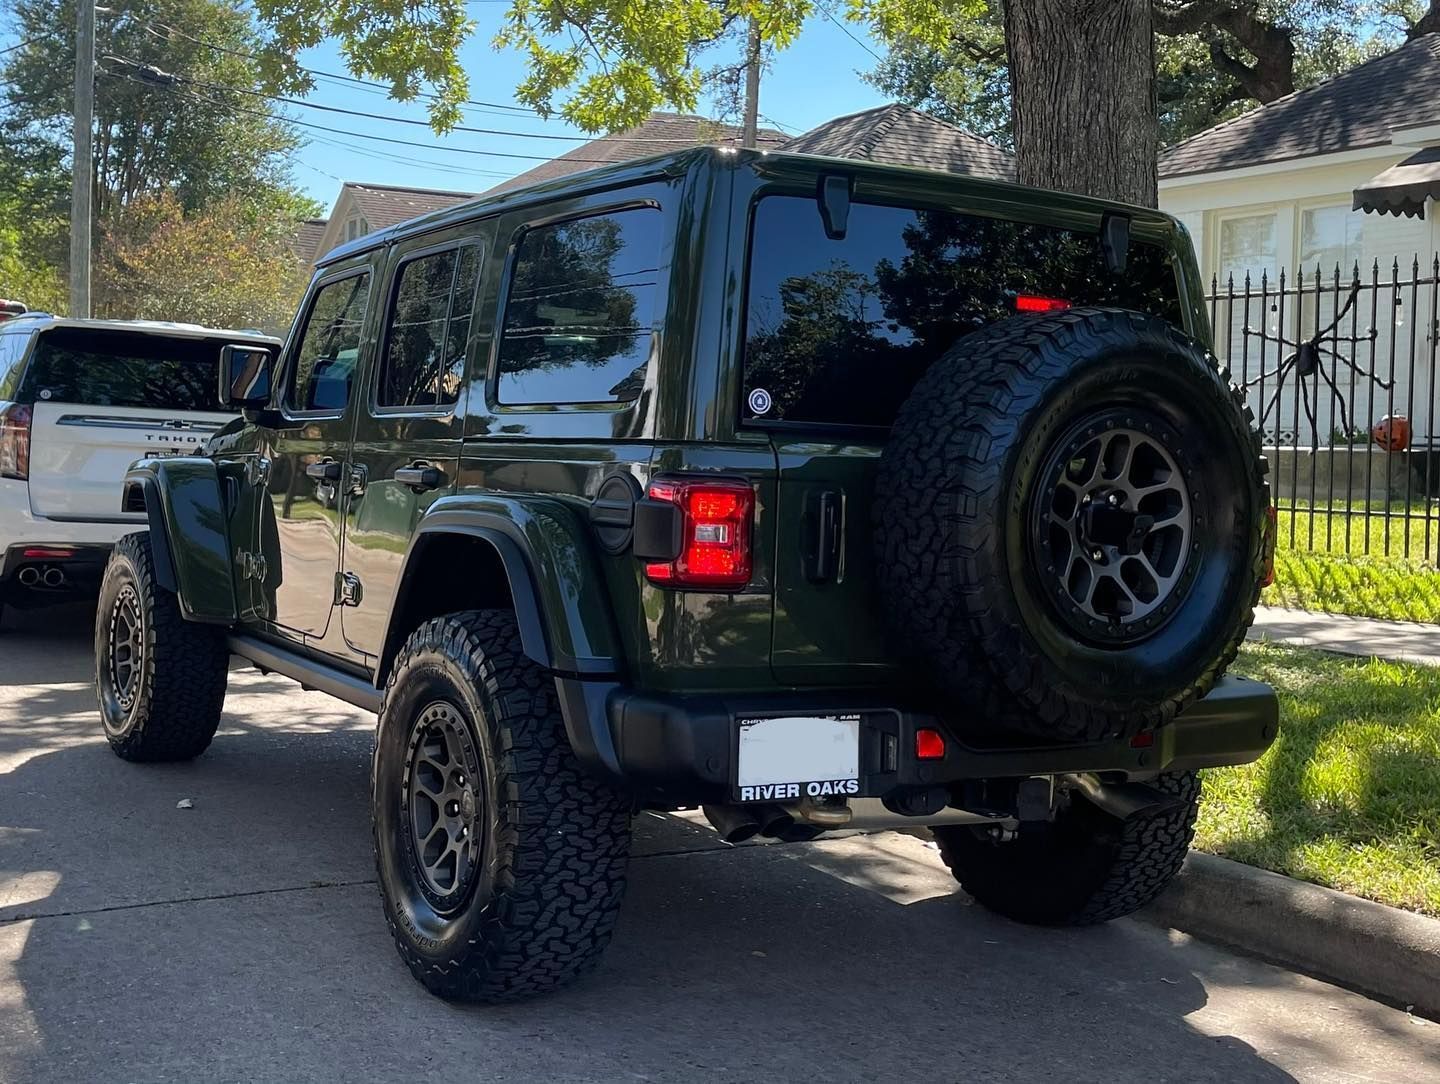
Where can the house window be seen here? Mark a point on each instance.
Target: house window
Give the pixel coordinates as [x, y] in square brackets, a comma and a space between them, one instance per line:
[1247, 246]
[1331, 237]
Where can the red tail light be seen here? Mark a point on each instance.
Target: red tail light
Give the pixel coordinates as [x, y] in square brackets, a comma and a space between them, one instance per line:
[929, 744]
[1271, 529]
[715, 528]
[14, 440]
[1032, 303]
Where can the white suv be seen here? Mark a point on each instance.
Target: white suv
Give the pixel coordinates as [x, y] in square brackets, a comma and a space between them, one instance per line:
[80, 400]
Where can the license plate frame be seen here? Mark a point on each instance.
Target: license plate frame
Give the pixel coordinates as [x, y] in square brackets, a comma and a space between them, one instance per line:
[790, 757]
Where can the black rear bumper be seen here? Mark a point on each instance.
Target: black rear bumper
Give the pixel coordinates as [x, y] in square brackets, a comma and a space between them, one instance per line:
[681, 749]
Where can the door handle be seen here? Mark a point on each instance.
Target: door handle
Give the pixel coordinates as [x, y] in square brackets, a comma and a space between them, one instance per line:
[327, 470]
[420, 477]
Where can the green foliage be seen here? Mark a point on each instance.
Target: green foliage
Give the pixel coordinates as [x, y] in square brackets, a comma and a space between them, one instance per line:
[200, 142]
[1349, 795]
[223, 265]
[1391, 589]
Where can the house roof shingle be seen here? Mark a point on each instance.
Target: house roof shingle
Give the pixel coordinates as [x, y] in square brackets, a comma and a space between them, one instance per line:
[307, 237]
[662, 133]
[900, 135]
[1353, 110]
[385, 205]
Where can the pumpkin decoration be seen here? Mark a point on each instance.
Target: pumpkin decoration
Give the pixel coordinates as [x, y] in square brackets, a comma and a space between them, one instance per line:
[1392, 432]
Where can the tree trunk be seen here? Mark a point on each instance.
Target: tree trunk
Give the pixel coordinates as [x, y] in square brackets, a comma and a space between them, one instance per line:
[1082, 80]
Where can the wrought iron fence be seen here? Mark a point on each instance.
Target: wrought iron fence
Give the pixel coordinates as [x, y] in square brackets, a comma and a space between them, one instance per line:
[1339, 370]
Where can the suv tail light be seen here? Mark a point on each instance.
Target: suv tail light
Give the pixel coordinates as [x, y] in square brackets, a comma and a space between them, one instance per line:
[1271, 529]
[713, 547]
[14, 440]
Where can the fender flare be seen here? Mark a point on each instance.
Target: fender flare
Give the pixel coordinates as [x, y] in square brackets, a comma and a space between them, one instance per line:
[184, 492]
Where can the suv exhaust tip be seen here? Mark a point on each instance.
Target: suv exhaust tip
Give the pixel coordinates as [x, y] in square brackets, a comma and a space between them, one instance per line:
[53, 577]
[29, 576]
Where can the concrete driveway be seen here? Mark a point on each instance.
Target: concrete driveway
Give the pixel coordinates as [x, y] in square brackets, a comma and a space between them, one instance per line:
[242, 939]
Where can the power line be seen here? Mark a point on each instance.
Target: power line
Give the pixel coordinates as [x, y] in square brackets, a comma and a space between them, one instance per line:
[173, 88]
[826, 12]
[20, 45]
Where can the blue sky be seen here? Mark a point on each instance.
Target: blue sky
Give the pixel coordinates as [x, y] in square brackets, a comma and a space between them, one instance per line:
[813, 81]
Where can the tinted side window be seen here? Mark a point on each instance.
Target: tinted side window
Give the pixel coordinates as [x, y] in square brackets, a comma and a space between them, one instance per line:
[424, 359]
[579, 323]
[329, 346]
[838, 332]
[12, 349]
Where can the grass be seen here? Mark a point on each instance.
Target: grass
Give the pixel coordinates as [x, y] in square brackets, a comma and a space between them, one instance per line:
[1349, 795]
[1313, 571]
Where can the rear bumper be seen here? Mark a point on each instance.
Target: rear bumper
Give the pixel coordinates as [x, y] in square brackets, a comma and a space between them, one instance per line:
[681, 750]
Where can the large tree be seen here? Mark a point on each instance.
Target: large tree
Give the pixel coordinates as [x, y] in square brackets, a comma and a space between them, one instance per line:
[1205, 72]
[199, 140]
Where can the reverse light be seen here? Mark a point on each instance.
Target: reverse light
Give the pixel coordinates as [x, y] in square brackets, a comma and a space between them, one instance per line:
[14, 440]
[929, 744]
[1271, 526]
[1034, 303]
[714, 536]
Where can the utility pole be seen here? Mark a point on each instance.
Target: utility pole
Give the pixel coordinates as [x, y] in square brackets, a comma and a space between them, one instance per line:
[81, 186]
[749, 135]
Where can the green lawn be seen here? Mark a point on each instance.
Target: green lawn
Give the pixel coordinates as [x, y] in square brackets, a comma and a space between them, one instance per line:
[1355, 531]
[1349, 795]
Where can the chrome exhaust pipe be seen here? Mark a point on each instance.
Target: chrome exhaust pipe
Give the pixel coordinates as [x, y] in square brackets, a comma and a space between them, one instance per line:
[54, 577]
[29, 576]
[735, 823]
[870, 814]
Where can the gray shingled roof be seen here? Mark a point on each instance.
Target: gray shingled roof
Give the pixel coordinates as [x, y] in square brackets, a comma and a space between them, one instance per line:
[900, 135]
[1353, 110]
[662, 133]
[307, 237]
[384, 205]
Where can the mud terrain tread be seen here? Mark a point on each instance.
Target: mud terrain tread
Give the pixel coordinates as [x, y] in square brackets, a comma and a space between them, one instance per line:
[943, 479]
[1145, 855]
[185, 673]
[564, 838]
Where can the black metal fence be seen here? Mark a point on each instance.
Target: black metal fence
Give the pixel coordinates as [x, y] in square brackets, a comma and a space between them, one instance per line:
[1339, 369]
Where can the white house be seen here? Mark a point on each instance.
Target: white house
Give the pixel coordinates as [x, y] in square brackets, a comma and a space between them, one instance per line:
[1283, 187]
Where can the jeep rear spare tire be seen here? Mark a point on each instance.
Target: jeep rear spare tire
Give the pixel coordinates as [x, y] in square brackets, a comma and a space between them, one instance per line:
[1070, 518]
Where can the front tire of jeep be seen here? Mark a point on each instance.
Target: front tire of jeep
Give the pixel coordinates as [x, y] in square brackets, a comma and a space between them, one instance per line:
[501, 863]
[1084, 868]
[160, 679]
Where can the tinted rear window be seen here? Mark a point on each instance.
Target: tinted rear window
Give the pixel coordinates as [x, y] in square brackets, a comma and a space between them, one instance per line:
[123, 369]
[839, 331]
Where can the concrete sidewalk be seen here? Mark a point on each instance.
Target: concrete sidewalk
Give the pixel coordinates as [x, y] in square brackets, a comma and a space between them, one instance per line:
[1403, 641]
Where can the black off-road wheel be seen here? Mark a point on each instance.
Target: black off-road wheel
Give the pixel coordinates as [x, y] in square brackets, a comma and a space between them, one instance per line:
[501, 862]
[160, 679]
[1086, 867]
[1069, 522]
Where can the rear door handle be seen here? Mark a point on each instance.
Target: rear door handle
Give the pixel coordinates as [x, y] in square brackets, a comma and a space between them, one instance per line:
[420, 477]
[327, 470]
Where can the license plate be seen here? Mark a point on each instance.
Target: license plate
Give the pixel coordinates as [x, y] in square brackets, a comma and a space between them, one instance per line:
[797, 757]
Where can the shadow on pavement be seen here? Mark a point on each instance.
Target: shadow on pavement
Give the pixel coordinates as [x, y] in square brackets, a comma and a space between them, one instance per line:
[242, 938]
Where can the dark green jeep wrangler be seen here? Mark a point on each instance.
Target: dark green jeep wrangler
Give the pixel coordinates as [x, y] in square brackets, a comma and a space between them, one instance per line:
[817, 494]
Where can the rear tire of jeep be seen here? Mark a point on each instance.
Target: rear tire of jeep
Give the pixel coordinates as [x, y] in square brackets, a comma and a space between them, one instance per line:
[1070, 518]
[160, 679]
[501, 862]
[1086, 867]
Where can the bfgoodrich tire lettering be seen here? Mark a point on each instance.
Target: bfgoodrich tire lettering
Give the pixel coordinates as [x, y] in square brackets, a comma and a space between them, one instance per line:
[546, 847]
[1085, 868]
[160, 679]
[967, 481]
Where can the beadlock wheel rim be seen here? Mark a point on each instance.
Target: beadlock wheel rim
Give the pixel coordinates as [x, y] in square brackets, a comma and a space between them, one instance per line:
[1114, 534]
[127, 647]
[443, 805]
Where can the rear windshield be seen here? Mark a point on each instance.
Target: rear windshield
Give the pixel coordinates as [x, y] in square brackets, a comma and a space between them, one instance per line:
[839, 331]
[123, 369]
[12, 357]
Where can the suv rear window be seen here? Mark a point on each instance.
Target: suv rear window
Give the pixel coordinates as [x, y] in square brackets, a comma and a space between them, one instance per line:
[839, 331]
[123, 369]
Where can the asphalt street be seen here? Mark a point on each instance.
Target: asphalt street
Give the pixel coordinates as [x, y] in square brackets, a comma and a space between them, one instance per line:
[242, 940]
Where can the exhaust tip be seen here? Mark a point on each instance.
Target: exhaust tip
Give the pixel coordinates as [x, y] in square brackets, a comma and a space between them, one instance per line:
[29, 576]
[54, 577]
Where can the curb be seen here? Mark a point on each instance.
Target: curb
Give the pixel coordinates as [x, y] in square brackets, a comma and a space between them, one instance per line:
[1380, 951]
